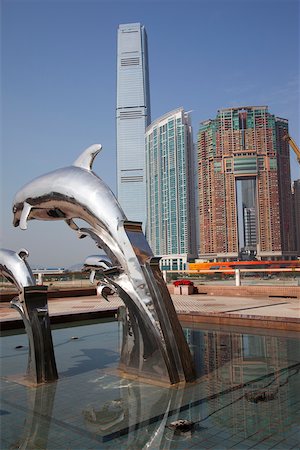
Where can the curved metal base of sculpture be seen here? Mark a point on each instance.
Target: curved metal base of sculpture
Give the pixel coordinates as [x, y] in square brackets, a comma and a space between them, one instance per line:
[33, 308]
[158, 348]
[32, 305]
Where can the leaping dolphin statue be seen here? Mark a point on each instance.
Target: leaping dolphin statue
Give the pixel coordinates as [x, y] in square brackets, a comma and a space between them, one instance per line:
[99, 263]
[14, 267]
[77, 192]
[31, 303]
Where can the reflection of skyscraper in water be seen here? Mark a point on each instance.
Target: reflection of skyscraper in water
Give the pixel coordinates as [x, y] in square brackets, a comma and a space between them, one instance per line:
[233, 359]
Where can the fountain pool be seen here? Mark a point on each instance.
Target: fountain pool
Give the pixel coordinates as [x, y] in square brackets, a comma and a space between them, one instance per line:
[247, 394]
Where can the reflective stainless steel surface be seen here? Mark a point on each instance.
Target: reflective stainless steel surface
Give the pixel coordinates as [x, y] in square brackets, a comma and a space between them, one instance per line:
[99, 263]
[32, 305]
[14, 267]
[158, 348]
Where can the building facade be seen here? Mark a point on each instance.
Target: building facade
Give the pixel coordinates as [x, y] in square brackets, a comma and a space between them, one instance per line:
[245, 203]
[132, 117]
[296, 209]
[171, 189]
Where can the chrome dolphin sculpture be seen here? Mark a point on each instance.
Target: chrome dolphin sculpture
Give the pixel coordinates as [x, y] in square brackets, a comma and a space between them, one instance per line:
[14, 267]
[100, 264]
[159, 348]
[96, 263]
[31, 303]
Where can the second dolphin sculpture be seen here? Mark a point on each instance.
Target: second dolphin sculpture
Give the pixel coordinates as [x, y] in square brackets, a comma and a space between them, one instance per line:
[158, 348]
[99, 263]
[32, 304]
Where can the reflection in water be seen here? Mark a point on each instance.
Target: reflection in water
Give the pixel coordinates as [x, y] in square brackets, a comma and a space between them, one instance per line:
[111, 414]
[242, 379]
[139, 416]
[232, 359]
[38, 420]
[89, 360]
[246, 392]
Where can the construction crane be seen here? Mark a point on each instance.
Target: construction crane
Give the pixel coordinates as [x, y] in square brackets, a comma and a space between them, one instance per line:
[292, 144]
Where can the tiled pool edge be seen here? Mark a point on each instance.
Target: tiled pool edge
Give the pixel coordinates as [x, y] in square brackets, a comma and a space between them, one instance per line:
[14, 324]
[243, 320]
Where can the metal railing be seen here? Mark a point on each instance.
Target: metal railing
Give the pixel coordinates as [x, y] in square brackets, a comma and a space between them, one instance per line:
[54, 280]
[237, 277]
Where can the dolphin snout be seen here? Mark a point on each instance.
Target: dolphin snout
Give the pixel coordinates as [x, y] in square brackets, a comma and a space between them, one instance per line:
[21, 213]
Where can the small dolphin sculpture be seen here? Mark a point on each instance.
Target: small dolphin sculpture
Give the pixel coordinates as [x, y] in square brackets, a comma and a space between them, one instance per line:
[97, 262]
[31, 303]
[100, 264]
[14, 267]
[159, 347]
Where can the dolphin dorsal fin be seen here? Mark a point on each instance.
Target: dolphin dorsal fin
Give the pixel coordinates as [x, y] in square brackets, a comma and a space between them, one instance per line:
[86, 159]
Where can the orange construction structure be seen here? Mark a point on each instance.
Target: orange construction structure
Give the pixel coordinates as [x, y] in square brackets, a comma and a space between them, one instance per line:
[227, 265]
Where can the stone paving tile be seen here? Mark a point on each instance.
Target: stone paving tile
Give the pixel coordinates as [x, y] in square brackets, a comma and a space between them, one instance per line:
[254, 307]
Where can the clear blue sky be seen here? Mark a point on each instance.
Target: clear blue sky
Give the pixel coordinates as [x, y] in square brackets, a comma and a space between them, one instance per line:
[59, 85]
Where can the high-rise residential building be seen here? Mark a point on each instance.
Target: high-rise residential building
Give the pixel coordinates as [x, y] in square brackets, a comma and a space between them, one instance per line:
[132, 118]
[171, 189]
[245, 203]
[296, 209]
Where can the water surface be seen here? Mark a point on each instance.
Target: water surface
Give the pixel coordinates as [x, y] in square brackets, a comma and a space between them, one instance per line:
[246, 396]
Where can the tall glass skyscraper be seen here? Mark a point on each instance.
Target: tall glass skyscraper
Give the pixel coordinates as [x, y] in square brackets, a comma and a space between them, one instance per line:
[132, 118]
[171, 189]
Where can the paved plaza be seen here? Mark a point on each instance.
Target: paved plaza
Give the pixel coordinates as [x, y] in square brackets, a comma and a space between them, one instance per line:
[280, 313]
